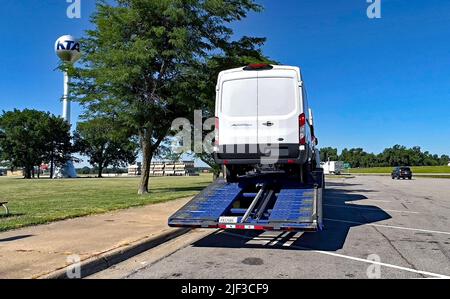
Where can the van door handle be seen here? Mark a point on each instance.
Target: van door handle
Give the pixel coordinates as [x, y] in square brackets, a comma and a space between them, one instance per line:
[268, 124]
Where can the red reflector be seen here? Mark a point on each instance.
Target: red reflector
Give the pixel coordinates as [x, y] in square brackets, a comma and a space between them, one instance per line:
[291, 161]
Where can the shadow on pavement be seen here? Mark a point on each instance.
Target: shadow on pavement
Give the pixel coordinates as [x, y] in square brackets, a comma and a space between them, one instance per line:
[15, 238]
[340, 214]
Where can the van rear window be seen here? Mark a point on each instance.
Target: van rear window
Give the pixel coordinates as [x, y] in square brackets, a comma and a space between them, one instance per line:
[276, 96]
[239, 97]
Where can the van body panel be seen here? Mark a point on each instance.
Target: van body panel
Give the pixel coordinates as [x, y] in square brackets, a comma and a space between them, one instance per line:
[237, 103]
[278, 108]
[258, 112]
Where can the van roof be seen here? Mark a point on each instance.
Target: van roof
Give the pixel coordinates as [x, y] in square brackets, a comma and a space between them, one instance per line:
[275, 68]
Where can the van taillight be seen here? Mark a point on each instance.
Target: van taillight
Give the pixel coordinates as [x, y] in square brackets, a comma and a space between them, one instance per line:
[302, 127]
[216, 130]
[258, 67]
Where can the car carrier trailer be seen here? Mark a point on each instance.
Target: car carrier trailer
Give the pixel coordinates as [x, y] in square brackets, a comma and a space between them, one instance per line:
[266, 202]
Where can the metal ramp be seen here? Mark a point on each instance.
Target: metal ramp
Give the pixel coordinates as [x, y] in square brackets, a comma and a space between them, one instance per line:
[208, 206]
[263, 203]
[293, 205]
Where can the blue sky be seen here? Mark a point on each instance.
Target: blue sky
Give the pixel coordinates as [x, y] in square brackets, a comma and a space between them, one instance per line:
[372, 83]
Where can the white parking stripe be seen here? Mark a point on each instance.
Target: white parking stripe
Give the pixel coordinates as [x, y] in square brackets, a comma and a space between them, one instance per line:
[379, 263]
[358, 259]
[353, 206]
[292, 240]
[389, 226]
[278, 239]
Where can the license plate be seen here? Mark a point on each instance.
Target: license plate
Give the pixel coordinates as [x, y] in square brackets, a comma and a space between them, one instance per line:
[228, 220]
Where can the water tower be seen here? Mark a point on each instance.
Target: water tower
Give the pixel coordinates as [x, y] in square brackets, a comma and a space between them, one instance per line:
[68, 50]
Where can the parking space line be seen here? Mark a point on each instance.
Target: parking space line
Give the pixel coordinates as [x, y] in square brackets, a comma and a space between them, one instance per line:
[436, 275]
[353, 206]
[389, 226]
[291, 241]
[379, 263]
[374, 200]
[279, 238]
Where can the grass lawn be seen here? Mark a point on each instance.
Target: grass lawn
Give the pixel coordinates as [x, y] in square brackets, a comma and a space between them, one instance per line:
[33, 202]
[415, 170]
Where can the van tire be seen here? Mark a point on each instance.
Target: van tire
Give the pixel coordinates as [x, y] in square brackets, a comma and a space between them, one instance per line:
[230, 174]
[304, 172]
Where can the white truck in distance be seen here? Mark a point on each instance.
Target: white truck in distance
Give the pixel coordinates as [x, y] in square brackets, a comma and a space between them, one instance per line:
[332, 167]
[264, 123]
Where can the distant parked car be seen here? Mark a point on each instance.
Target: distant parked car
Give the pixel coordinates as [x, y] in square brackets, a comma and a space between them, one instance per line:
[402, 173]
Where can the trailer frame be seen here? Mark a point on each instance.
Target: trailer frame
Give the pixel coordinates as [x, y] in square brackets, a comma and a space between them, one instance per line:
[259, 202]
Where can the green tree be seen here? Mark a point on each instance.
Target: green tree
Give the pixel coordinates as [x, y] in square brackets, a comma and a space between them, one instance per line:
[84, 170]
[444, 160]
[105, 143]
[144, 58]
[329, 153]
[353, 156]
[30, 138]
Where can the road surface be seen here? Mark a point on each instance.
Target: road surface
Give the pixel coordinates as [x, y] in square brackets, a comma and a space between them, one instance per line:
[375, 227]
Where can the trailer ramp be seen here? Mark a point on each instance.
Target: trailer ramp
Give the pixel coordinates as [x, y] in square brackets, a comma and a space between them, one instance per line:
[255, 204]
[208, 206]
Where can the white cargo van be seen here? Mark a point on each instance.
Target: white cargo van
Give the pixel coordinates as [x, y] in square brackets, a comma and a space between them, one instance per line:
[263, 121]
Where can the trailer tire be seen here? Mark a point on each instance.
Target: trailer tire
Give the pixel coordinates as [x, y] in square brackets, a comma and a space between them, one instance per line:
[230, 174]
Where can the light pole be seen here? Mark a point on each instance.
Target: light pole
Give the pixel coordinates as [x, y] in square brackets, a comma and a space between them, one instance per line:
[68, 50]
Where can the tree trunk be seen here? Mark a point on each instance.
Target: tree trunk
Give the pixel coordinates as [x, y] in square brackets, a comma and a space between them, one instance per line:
[147, 154]
[100, 170]
[52, 165]
[148, 150]
[27, 172]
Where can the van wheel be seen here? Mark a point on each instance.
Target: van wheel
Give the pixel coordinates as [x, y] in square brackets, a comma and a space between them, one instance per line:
[304, 171]
[230, 174]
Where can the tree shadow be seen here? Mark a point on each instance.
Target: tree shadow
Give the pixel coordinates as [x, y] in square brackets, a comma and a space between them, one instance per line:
[11, 215]
[340, 215]
[14, 238]
[178, 189]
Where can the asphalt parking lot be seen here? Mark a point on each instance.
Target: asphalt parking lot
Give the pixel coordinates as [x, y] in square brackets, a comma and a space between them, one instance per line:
[375, 227]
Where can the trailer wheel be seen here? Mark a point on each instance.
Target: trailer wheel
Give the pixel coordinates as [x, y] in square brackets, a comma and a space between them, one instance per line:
[230, 174]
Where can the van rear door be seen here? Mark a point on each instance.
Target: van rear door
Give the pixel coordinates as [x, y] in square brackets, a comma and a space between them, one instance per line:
[238, 119]
[278, 107]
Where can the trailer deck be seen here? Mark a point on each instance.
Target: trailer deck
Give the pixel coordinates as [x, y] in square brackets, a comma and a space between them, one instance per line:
[256, 203]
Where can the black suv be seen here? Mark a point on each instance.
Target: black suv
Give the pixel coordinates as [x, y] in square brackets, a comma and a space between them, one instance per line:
[401, 173]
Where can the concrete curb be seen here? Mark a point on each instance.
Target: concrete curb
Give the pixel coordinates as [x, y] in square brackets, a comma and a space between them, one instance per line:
[104, 261]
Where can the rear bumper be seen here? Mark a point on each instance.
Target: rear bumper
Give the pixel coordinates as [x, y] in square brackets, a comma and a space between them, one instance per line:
[404, 175]
[261, 154]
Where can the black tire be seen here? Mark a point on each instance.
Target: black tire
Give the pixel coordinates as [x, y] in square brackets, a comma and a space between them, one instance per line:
[305, 169]
[231, 175]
